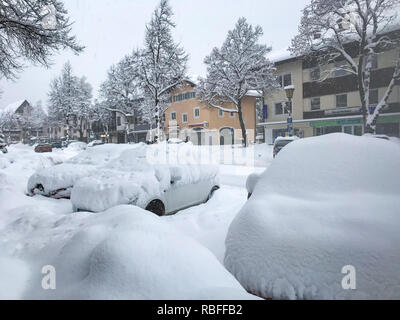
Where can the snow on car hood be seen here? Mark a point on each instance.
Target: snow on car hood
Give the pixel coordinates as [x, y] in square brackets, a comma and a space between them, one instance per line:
[324, 203]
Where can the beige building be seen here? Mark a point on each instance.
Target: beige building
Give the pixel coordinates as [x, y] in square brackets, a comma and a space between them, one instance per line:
[187, 118]
[326, 102]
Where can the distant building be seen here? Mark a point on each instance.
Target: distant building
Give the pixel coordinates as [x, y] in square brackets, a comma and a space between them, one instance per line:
[187, 118]
[20, 130]
[326, 105]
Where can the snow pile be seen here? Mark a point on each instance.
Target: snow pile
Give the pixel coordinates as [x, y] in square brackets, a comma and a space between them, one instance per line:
[324, 203]
[77, 146]
[128, 253]
[4, 162]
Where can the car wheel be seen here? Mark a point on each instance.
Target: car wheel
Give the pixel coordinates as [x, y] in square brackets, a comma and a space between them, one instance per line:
[215, 188]
[156, 207]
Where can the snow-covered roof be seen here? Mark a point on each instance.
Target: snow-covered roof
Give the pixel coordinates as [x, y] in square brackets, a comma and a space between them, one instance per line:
[253, 93]
[280, 55]
[13, 107]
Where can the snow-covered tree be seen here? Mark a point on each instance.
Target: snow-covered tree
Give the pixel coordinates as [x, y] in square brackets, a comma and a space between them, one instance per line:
[161, 64]
[32, 121]
[101, 117]
[120, 90]
[84, 101]
[69, 100]
[38, 116]
[8, 121]
[32, 31]
[354, 31]
[238, 67]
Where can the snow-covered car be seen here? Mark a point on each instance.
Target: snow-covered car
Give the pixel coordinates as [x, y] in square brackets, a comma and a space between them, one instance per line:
[57, 181]
[106, 176]
[326, 207]
[175, 141]
[43, 148]
[131, 179]
[95, 143]
[251, 183]
[282, 142]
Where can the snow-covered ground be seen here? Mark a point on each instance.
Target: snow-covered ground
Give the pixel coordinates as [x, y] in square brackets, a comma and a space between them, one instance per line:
[171, 257]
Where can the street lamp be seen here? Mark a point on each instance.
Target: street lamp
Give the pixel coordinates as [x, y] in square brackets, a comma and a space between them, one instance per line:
[289, 94]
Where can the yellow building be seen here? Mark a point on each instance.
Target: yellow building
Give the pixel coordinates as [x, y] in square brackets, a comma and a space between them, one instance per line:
[187, 118]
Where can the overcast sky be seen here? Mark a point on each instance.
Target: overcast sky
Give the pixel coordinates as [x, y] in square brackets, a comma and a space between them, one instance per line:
[112, 28]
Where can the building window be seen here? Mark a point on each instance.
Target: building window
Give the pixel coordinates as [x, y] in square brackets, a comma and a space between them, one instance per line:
[221, 114]
[184, 96]
[373, 97]
[196, 113]
[315, 103]
[315, 74]
[185, 118]
[341, 101]
[173, 115]
[232, 114]
[118, 121]
[285, 80]
[341, 69]
[282, 108]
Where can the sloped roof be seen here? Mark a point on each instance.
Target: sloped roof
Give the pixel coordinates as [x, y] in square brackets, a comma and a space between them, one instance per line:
[13, 107]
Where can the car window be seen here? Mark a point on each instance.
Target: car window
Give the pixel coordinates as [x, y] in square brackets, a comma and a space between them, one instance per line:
[282, 143]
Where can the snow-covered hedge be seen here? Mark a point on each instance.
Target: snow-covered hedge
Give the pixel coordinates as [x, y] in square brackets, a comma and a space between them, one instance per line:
[325, 203]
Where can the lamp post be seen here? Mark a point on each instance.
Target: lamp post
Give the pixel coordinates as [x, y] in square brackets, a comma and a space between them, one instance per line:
[289, 94]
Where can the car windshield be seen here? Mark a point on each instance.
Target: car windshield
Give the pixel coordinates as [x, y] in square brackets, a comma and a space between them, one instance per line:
[282, 143]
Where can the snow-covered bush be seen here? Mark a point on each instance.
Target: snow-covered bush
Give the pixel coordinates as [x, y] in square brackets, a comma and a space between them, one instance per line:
[324, 203]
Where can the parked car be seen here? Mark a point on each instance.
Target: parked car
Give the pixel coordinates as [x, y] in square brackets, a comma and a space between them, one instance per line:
[282, 142]
[95, 143]
[110, 175]
[251, 183]
[323, 202]
[175, 141]
[43, 148]
[3, 148]
[57, 144]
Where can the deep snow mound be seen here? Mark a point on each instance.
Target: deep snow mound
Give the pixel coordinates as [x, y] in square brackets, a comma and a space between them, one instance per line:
[324, 203]
[129, 253]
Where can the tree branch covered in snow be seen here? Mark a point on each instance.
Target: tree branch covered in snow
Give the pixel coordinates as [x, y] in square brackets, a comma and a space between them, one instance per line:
[120, 91]
[161, 64]
[353, 31]
[238, 67]
[32, 31]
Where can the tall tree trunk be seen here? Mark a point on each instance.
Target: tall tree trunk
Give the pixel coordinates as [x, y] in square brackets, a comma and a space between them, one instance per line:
[362, 93]
[242, 124]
